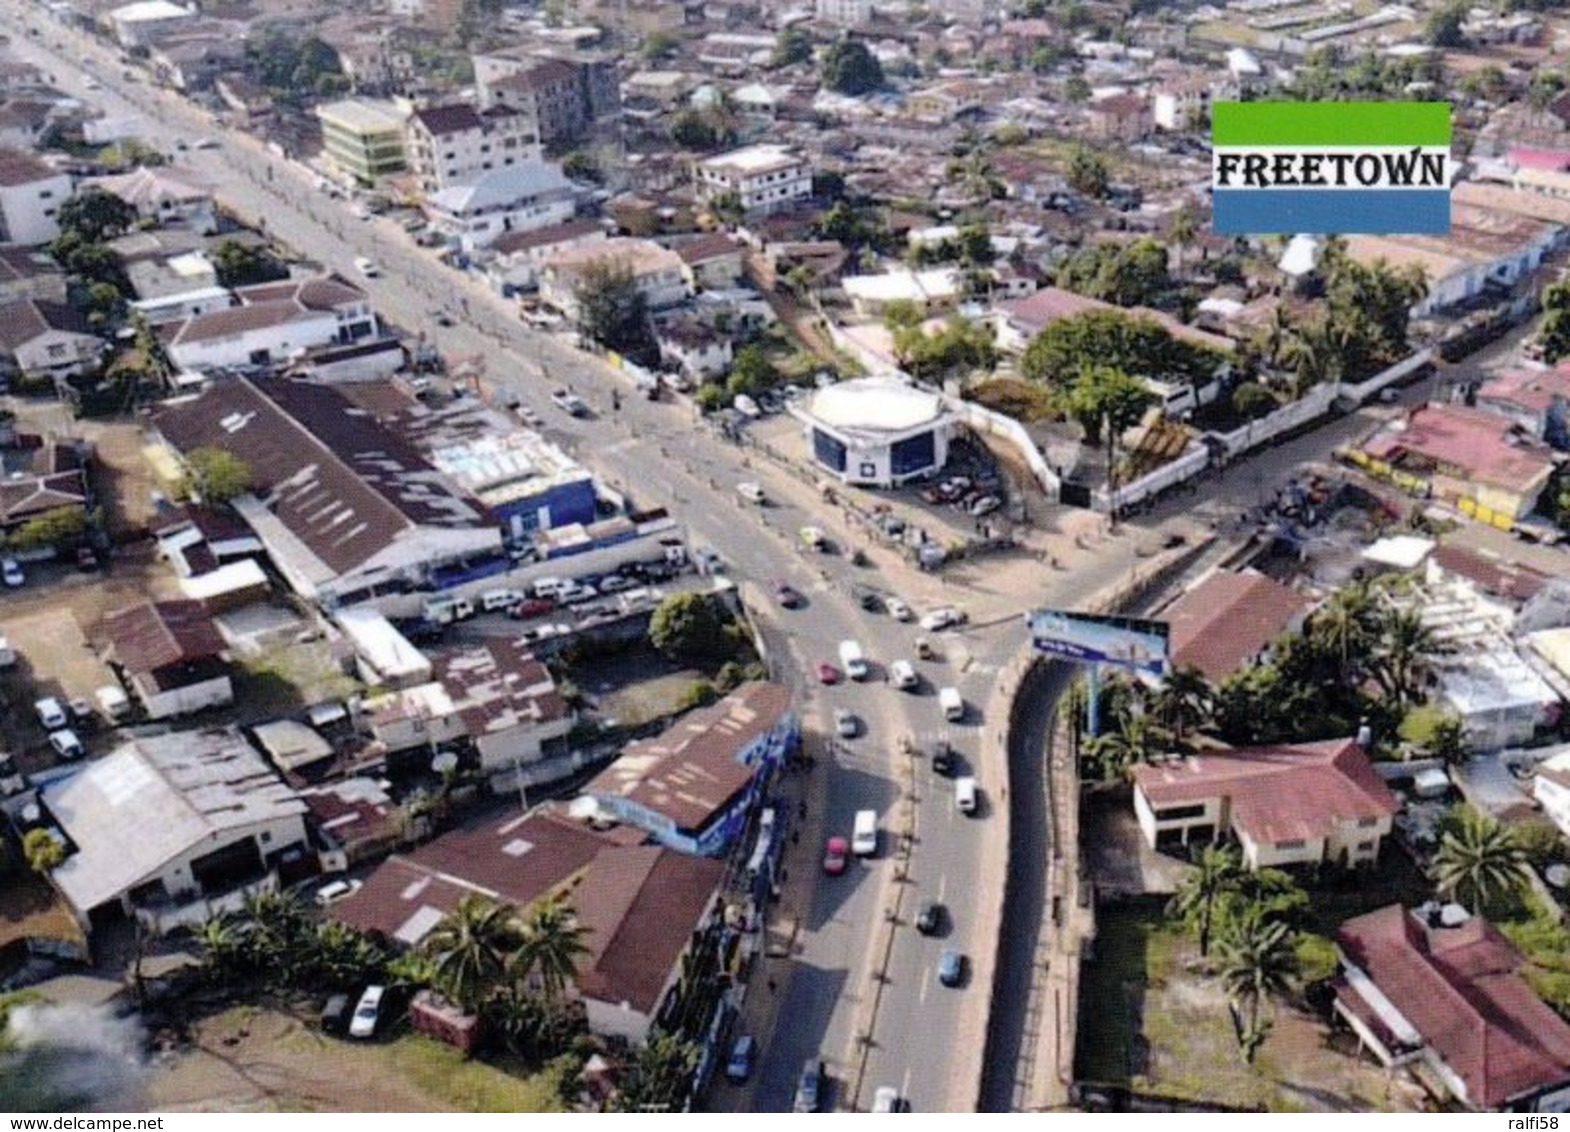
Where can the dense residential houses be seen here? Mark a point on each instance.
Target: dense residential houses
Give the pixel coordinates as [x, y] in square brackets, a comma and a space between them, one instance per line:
[31, 194]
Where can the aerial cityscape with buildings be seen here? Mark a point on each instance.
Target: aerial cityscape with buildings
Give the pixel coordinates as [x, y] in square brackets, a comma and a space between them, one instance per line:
[720, 556]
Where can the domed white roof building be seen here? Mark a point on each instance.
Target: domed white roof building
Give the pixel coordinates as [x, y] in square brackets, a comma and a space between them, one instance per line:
[878, 431]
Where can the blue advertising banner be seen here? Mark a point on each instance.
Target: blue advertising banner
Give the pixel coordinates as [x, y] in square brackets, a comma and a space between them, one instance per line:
[1126, 642]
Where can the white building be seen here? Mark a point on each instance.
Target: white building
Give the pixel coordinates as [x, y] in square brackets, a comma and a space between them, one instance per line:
[516, 257]
[764, 178]
[166, 196]
[30, 197]
[930, 289]
[273, 322]
[878, 431]
[519, 198]
[172, 828]
[47, 338]
[383, 657]
[846, 13]
[657, 271]
[171, 656]
[144, 23]
[458, 144]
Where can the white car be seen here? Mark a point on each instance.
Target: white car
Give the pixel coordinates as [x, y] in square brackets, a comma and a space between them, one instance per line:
[615, 583]
[902, 675]
[747, 407]
[577, 594]
[66, 744]
[51, 713]
[943, 617]
[569, 402]
[336, 890]
[886, 1099]
[367, 1013]
[11, 572]
[845, 723]
[897, 609]
[366, 267]
[751, 492]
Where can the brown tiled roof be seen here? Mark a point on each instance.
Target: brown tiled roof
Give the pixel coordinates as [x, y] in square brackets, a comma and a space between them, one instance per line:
[33, 495]
[25, 263]
[1281, 793]
[510, 243]
[318, 293]
[457, 118]
[499, 685]
[21, 322]
[238, 320]
[1228, 618]
[713, 245]
[549, 72]
[1461, 989]
[513, 860]
[641, 905]
[343, 484]
[19, 168]
[1497, 576]
[155, 635]
[690, 772]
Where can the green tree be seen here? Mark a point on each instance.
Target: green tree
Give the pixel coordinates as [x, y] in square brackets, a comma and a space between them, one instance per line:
[581, 166]
[658, 45]
[216, 475]
[222, 948]
[1479, 862]
[751, 372]
[1135, 344]
[612, 309]
[958, 345]
[1252, 400]
[692, 628]
[1443, 27]
[691, 129]
[57, 527]
[1075, 89]
[240, 265]
[1135, 275]
[469, 949]
[1087, 173]
[1216, 873]
[660, 1076]
[793, 46]
[1402, 656]
[95, 215]
[1107, 401]
[1439, 734]
[43, 851]
[1185, 701]
[1258, 960]
[1134, 739]
[1553, 336]
[1312, 356]
[850, 68]
[551, 942]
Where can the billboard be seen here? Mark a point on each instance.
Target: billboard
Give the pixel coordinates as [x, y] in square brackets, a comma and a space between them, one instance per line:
[1127, 642]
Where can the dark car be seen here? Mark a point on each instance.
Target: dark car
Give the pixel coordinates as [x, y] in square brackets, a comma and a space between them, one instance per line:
[951, 968]
[742, 1056]
[786, 595]
[809, 1090]
[531, 607]
[929, 919]
[335, 1015]
[943, 760]
[870, 601]
[86, 559]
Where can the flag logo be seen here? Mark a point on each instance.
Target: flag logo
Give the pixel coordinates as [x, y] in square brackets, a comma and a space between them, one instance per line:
[1354, 168]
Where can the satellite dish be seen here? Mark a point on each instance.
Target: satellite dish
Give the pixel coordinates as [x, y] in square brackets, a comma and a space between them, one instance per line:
[1558, 875]
[444, 763]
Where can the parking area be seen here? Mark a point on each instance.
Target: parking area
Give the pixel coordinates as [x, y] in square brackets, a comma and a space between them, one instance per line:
[53, 658]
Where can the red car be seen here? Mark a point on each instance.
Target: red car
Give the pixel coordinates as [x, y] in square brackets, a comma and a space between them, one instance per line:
[836, 854]
[531, 607]
[827, 673]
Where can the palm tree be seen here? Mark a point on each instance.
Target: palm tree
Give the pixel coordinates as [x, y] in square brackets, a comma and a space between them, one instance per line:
[552, 941]
[660, 1078]
[1402, 654]
[1479, 861]
[1216, 873]
[1259, 959]
[1346, 626]
[468, 948]
[277, 927]
[222, 947]
[1181, 234]
[1312, 355]
[1186, 701]
[1135, 739]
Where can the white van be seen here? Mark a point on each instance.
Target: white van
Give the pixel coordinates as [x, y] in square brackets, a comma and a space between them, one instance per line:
[446, 610]
[113, 702]
[550, 587]
[965, 794]
[492, 600]
[854, 661]
[952, 703]
[902, 675]
[864, 835]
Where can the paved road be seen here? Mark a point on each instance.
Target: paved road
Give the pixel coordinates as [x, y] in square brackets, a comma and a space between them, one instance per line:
[652, 452]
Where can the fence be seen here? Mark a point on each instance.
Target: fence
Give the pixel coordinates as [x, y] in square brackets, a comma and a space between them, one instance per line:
[1394, 375]
[1185, 467]
[1315, 403]
[984, 420]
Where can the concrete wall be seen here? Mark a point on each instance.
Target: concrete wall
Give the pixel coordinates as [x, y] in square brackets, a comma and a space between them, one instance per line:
[185, 700]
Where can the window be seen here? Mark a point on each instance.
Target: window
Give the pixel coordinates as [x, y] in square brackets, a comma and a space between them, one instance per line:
[266, 836]
[56, 350]
[1365, 846]
[46, 194]
[1179, 813]
[1287, 846]
[1367, 823]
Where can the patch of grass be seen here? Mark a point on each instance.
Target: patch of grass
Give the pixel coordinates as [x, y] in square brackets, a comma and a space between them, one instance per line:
[1127, 936]
[1316, 958]
[468, 1085]
[1014, 398]
[286, 678]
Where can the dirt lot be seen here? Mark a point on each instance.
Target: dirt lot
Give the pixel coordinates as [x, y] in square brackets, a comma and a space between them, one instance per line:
[254, 1060]
[122, 477]
[29, 908]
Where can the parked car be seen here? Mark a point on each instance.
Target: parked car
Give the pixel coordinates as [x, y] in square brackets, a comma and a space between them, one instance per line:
[846, 725]
[886, 1099]
[902, 674]
[368, 1013]
[929, 919]
[836, 854]
[492, 600]
[809, 1087]
[335, 1014]
[897, 609]
[366, 266]
[66, 744]
[336, 890]
[51, 713]
[531, 607]
[752, 493]
[616, 583]
[985, 506]
[951, 968]
[814, 539]
[11, 573]
[570, 403]
[747, 407]
[742, 1056]
[827, 673]
[944, 760]
[869, 601]
[786, 595]
[577, 594]
[943, 617]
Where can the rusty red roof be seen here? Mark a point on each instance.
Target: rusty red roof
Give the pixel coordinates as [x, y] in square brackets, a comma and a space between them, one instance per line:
[1227, 619]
